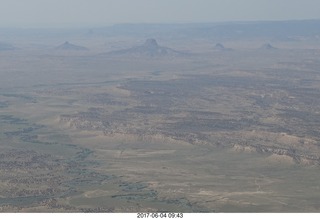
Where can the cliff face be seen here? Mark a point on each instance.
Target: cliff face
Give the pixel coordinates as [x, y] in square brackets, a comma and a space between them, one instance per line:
[130, 130]
[120, 129]
[298, 157]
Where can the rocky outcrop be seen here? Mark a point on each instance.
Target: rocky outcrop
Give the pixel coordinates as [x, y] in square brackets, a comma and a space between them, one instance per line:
[267, 46]
[70, 47]
[127, 130]
[149, 49]
[81, 122]
[220, 47]
[297, 156]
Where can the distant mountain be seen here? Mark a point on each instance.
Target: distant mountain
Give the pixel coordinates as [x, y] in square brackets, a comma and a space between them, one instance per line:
[267, 46]
[220, 47]
[6, 46]
[295, 29]
[149, 49]
[70, 47]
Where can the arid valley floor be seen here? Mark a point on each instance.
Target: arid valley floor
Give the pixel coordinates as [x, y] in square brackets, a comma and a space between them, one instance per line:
[133, 124]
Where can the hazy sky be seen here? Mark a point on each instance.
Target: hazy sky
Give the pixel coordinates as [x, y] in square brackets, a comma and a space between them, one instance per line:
[30, 13]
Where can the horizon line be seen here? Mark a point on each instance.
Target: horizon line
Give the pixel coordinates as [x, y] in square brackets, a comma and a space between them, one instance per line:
[96, 25]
